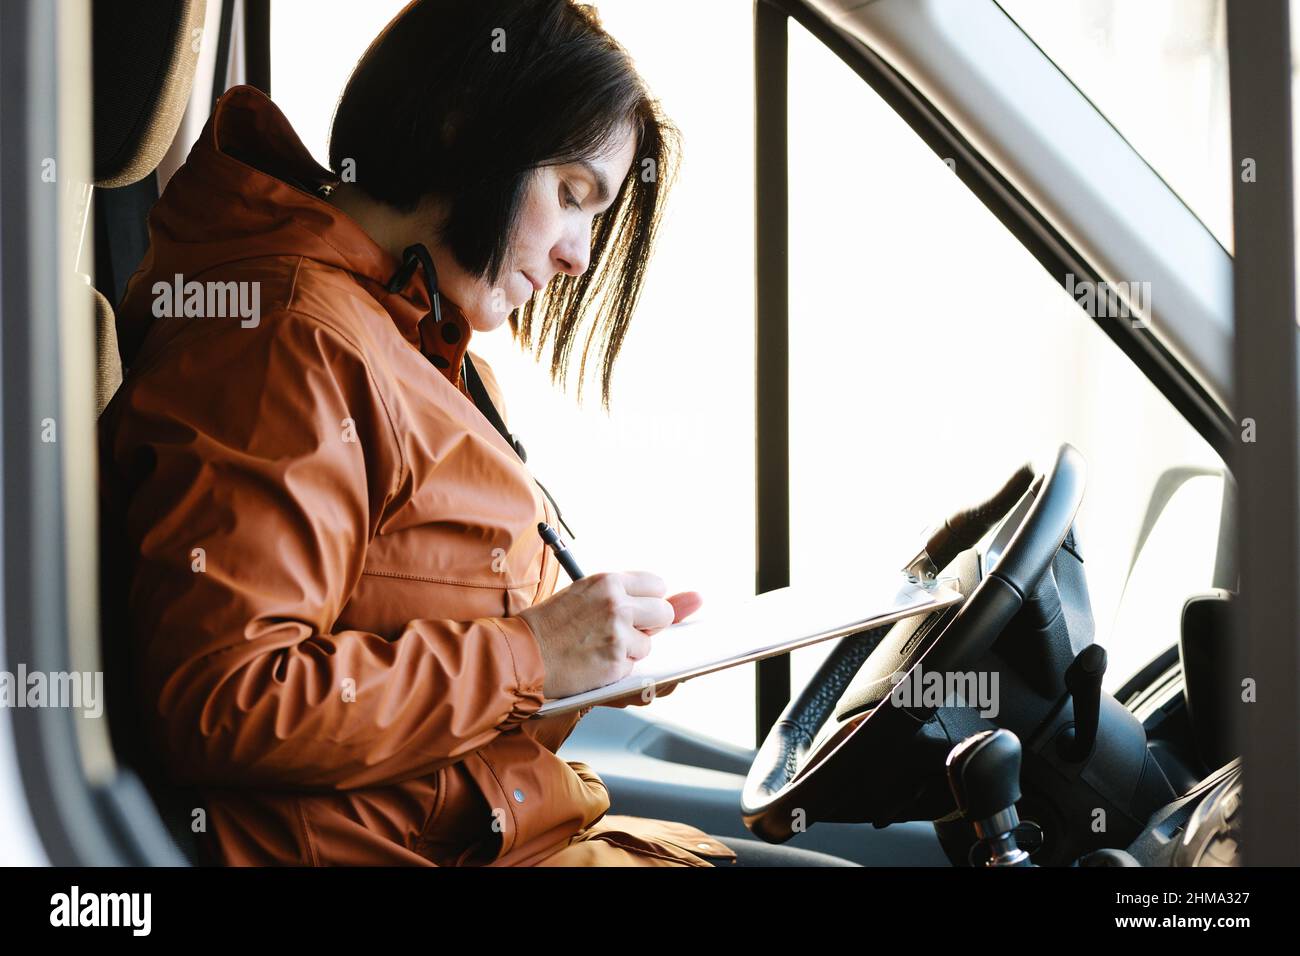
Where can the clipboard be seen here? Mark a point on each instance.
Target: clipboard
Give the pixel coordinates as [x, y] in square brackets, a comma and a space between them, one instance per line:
[725, 633]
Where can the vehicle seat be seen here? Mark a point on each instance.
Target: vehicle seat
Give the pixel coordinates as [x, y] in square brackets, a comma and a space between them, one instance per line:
[145, 56]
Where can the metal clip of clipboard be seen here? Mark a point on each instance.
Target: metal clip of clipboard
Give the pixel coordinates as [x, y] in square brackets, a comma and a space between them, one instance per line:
[963, 530]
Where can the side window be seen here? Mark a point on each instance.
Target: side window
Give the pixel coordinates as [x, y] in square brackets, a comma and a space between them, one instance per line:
[931, 354]
[314, 45]
[665, 481]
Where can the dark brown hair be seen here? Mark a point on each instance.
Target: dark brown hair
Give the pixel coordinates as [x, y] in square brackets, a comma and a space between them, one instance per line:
[464, 99]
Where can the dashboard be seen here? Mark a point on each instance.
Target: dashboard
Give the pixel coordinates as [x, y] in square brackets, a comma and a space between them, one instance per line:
[1200, 828]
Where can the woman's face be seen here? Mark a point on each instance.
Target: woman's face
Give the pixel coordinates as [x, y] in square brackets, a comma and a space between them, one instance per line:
[554, 235]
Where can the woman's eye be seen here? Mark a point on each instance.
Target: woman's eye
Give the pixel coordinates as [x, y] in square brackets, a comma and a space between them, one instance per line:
[570, 199]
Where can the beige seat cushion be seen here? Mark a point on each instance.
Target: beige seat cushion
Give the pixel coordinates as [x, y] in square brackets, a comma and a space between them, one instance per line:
[108, 364]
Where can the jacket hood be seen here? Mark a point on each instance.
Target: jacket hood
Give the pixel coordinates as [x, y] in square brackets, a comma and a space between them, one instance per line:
[250, 189]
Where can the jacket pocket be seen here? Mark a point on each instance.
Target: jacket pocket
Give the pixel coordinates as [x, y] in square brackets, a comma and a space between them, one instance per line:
[458, 830]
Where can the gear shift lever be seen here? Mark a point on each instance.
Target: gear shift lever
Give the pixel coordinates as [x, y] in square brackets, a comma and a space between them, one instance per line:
[984, 773]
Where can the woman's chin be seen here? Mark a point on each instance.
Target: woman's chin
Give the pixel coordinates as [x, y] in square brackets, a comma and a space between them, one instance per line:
[486, 321]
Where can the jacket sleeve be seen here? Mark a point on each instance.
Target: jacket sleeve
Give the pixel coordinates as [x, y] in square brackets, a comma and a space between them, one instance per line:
[250, 511]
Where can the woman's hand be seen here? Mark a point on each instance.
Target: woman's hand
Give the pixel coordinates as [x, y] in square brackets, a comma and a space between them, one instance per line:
[593, 632]
[688, 602]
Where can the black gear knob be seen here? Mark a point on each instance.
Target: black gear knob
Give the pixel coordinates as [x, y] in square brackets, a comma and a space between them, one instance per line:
[984, 774]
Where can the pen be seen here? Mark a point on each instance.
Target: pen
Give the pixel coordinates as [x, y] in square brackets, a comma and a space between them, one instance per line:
[562, 553]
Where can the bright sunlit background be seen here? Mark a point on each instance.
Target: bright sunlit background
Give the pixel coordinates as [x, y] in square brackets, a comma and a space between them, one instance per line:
[930, 354]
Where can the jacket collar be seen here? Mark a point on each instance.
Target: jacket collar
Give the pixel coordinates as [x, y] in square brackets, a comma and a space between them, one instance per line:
[249, 187]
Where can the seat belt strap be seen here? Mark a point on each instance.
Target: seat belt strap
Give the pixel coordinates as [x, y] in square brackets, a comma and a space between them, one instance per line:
[478, 392]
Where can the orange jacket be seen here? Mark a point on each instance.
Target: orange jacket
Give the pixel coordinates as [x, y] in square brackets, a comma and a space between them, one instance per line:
[319, 546]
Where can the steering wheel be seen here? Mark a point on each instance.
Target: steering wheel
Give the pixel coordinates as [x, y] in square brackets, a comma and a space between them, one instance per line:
[843, 751]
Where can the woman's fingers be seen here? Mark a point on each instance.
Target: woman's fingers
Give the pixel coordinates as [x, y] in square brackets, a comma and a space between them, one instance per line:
[638, 644]
[651, 614]
[683, 605]
[686, 603]
[643, 584]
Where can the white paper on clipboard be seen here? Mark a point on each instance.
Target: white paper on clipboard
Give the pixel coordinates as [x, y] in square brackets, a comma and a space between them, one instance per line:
[723, 634]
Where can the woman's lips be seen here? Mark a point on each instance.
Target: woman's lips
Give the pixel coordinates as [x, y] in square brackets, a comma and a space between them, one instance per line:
[537, 286]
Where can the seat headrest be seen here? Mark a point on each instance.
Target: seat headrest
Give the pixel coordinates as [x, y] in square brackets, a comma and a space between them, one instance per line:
[145, 53]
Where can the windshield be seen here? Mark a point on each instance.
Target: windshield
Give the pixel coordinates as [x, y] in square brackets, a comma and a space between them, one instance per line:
[1158, 71]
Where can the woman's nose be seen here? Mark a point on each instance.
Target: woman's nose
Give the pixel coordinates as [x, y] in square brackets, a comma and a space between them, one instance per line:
[572, 255]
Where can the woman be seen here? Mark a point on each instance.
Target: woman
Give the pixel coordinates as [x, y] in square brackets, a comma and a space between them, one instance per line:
[340, 614]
